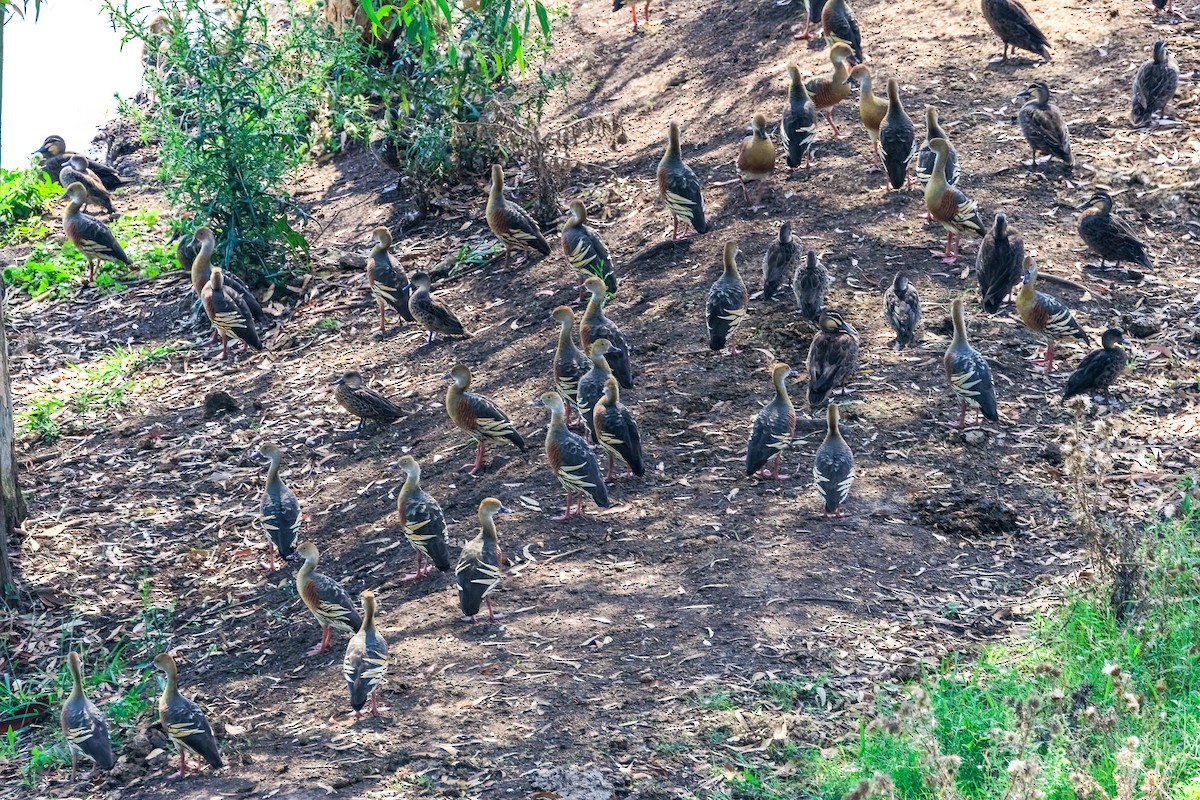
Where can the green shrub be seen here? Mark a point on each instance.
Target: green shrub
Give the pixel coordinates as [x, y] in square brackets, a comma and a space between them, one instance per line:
[24, 196]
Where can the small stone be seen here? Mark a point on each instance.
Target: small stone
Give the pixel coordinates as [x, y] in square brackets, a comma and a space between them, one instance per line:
[219, 402]
[1141, 325]
[138, 745]
[351, 262]
[974, 437]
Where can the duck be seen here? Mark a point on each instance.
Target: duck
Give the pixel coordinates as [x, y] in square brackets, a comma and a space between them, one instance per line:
[1109, 236]
[1167, 6]
[1154, 86]
[726, 306]
[897, 140]
[572, 461]
[477, 415]
[423, 522]
[280, 509]
[1099, 368]
[1046, 315]
[839, 25]
[617, 431]
[431, 313]
[55, 156]
[781, 259]
[902, 309]
[827, 92]
[1043, 124]
[832, 356]
[570, 363]
[968, 372]
[999, 263]
[595, 325]
[198, 257]
[810, 283]
[1009, 20]
[956, 212]
[799, 128]
[586, 251]
[366, 661]
[619, 4]
[389, 283]
[325, 598]
[364, 402]
[511, 224]
[833, 469]
[479, 564]
[679, 188]
[89, 235]
[773, 428]
[76, 171]
[228, 313]
[871, 110]
[926, 157]
[756, 160]
[591, 385]
[83, 725]
[815, 9]
[184, 721]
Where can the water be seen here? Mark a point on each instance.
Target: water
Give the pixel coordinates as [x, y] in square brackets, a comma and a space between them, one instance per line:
[47, 90]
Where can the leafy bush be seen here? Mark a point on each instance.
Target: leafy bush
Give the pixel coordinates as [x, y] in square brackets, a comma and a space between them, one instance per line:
[234, 98]
[24, 196]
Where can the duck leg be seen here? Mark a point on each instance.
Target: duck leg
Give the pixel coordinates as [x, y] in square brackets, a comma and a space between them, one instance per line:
[962, 414]
[566, 515]
[775, 473]
[323, 645]
[182, 762]
[633, 11]
[224, 347]
[1048, 361]
[674, 235]
[646, 12]
[473, 469]
[74, 764]
[837, 134]
[418, 574]
[493, 615]
[608, 476]
[382, 321]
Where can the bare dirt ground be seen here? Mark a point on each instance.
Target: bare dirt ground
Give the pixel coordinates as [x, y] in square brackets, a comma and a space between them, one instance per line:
[641, 644]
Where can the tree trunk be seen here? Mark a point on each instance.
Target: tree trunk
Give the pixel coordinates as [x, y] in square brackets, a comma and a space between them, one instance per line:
[12, 503]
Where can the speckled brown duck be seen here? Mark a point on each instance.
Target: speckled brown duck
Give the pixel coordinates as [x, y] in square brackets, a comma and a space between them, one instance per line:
[227, 311]
[810, 283]
[1109, 236]
[364, 402]
[197, 254]
[617, 431]
[329, 603]
[89, 235]
[773, 429]
[799, 128]
[1043, 125]
[828, 91]
[726, 305]
[595, 325]
[1099, 368]
[1154, 86]
[55, 156]
[1046, 315]
[585, 250]
[947, 205]
[572, 461]
[83, 724]
[968, 373]
[280, 508]
[999, 263]
[365, 664]
[570, 363]
[76, 171]
[832, 356]
[902, 309]
[478, 416]
[1009, 20]
[479, 568]
[781, 260]
[833, 468]
[510, 223]
[423, 522]
[756, 161]
[430, 312]
[388, 281]
[679, 188]
[184, 721]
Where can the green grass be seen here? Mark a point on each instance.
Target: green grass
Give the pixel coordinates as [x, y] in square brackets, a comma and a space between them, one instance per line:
[1034, 717]
[25, 194]
[51, 273]
[37, 418]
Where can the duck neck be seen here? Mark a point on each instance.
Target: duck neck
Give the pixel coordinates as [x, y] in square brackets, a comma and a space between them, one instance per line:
[487, 523]
[306, 570]
[557, 420]
[273, 471]
[833, 429]
[933, 129]
[960, 329]
[599, 362]
[840, 72]
[495, 194]
[798, 94]
[866, 87]
[895, 107]
[937, 181]
[595, 306]
[673, 151]
[171, 689]
[77, 681]
[368, 617]
[564, 336]
[781, 391]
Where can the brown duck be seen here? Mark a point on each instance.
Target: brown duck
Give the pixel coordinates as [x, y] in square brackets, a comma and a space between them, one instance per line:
[83, 725]
[199, 264]
[756, 160]
[1046, 315]
[389, 283]
[76, 171]
[1009, 20]
[183, 721]
[423, 522]
[479, 565]
[325, 598]
[1043, 125]
[585, 250]
[55, 156]
[573, 462]
[832, 356]
[570, 363]
[227, 311]
[89, 235]
[364, 402]
[511, 224]
[999, 264]
[595, 325]
[827, 92]
[773, 428]
[431, 313]
[956, 212]
[478, 416]
[617, 431]
[366, 661]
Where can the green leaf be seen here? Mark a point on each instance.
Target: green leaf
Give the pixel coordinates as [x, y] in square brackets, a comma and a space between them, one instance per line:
[543, 17]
